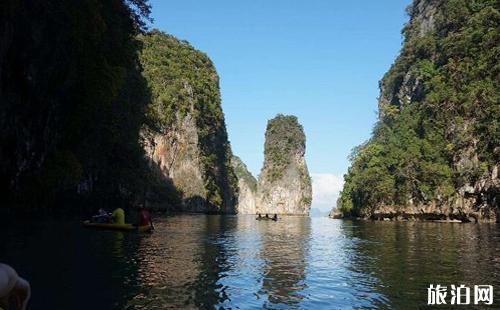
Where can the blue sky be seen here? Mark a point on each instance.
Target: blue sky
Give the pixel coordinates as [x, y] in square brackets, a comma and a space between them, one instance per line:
[320, 60]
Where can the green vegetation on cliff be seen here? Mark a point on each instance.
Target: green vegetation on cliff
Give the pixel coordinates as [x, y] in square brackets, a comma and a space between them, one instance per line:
[284, 137]
[438, 129]
[183, 81]
[72, 101]
[241, 171]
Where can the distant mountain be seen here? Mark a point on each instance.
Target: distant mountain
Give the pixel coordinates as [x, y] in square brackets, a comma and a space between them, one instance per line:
[315, 212]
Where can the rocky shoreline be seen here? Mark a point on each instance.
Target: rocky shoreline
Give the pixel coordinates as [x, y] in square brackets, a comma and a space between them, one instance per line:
[431, 213]
[477, 203]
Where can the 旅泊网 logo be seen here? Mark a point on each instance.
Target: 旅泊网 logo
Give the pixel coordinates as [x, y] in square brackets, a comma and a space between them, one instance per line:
[460, 295]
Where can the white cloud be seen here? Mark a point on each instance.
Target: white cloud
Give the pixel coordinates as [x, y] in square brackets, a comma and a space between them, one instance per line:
[326, 188]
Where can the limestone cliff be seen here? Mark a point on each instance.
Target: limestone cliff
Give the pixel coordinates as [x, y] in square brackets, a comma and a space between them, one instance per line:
[434, 153]
[72, 102]
[247, 187]
[186, 139]
[284, 183]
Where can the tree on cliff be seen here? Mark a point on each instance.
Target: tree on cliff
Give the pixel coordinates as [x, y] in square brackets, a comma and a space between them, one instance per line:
[72, 100]
[438, 130]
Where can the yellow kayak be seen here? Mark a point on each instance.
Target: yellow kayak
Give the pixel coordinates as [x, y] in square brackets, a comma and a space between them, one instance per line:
[122, 227]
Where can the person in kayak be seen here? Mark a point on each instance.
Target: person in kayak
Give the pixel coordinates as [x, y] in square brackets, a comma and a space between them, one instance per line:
[14, 291]
[143, 217]
[118, 216]
[101, 217]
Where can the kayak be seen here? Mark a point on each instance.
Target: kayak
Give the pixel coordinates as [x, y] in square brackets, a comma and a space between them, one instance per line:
[122, 227]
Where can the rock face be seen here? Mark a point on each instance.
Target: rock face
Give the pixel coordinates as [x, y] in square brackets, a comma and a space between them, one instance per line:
[284, 183]
[71, 105]
[186, 139]
[247, 187]
[460, 210]
[177, 157]
[434, 152]
[335, 214]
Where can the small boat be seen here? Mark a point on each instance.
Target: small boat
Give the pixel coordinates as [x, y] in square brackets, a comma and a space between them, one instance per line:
[120, 227]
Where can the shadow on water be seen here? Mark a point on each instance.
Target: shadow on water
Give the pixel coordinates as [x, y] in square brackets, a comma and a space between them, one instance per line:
[69, 269]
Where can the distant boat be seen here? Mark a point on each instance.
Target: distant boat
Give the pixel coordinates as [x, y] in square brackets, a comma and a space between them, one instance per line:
[264, 218]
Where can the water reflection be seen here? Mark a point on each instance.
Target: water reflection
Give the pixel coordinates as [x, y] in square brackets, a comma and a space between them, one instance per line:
[283, 252]
[212, 257]
[217, 262]
[169, 263]
[208, 261]
[405, 257]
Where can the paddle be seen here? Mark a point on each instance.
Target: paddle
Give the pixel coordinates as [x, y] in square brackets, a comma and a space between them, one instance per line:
[151, 223]
[150, 220]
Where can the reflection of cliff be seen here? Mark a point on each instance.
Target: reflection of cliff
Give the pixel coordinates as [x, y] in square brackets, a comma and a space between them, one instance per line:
[166, 264]
[180, 265]
[284, 250]
[213, 261]
[477, 265]
[391, 254]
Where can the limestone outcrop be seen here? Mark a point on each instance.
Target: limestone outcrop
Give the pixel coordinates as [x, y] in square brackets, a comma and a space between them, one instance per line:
[284, 185]
[247, 187]
[434, 152]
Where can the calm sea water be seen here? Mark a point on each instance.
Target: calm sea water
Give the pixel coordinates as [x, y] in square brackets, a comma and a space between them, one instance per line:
[198, 261]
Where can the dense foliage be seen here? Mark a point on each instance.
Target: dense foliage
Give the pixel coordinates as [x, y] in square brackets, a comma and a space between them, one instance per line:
[284, 137]
[438, 129]
[72, 101]
[184, 81]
